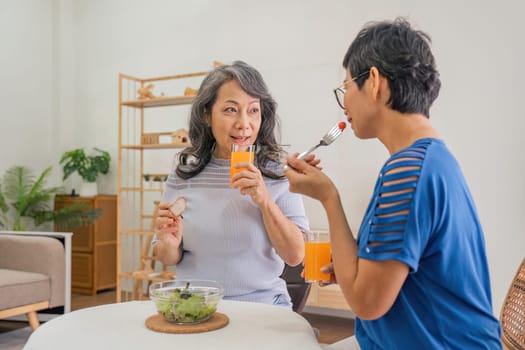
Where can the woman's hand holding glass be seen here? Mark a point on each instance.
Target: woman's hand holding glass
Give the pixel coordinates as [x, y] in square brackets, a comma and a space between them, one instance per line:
[250, 182]
[329, 269]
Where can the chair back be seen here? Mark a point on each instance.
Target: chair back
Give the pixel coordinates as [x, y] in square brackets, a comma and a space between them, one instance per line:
[297, 287]
[512, 315]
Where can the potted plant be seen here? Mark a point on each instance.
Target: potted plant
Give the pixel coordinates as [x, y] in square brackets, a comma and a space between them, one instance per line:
[87, 166]
[147, 180]
[158, 180]
[25, 203]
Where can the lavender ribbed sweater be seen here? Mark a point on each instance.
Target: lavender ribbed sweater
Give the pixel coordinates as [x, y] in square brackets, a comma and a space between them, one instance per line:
[225, 238]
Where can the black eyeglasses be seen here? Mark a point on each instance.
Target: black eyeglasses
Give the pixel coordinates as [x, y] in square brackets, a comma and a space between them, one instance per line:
[340, 91]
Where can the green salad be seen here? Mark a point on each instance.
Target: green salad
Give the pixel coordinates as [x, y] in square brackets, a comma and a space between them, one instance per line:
[182, 306]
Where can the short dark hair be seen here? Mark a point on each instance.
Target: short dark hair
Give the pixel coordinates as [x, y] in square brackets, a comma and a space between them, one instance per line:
[403, 56]
[193, 159]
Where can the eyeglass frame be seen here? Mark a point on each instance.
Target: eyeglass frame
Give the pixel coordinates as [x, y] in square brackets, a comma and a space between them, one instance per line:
[342, 89]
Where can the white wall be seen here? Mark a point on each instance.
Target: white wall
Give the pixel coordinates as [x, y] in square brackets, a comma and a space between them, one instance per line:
[26, 75]
[298, 46]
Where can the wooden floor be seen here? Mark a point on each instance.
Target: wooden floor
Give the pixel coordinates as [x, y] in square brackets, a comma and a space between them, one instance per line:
[331, 329]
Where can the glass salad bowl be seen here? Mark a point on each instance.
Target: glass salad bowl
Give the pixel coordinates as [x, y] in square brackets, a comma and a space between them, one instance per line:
[186, 301]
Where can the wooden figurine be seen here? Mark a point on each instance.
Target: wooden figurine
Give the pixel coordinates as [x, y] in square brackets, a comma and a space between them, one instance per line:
[190, 92]
[145, 92]
[181, 137]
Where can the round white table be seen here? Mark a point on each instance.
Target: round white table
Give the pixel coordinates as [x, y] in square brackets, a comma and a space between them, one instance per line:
[121, 326]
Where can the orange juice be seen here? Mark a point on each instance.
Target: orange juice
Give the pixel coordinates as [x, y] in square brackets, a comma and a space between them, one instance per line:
[237, 156]
[317, 255]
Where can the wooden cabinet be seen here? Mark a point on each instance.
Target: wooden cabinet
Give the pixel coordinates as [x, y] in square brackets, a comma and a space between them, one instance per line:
[93, 258]
[149, 126]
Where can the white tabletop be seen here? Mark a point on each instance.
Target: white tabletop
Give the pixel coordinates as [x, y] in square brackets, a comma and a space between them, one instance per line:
[121, 326]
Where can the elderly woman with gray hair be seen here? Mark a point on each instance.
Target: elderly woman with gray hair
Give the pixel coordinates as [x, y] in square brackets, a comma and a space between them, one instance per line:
[240, 233]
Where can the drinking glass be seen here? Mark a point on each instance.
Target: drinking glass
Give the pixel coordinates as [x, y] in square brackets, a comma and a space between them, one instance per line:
[317, 254]
[240, 154]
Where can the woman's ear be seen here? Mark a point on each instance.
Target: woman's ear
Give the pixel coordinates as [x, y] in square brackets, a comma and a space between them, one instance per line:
[378, 83]
[374, 82]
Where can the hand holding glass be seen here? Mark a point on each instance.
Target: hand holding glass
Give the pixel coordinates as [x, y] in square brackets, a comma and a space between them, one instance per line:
[240, 154]
[317, 254]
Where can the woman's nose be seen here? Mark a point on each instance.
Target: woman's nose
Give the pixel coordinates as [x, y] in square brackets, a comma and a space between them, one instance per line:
[242, 121]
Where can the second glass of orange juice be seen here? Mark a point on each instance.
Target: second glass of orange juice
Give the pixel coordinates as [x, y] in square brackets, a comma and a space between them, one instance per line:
[241, 154]
[317, 254]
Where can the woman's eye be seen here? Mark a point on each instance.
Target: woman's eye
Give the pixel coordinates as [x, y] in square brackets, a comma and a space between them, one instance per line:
[254, 110]
[230, 110]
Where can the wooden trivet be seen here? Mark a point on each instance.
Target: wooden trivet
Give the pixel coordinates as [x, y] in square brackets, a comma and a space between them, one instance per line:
[158, 323]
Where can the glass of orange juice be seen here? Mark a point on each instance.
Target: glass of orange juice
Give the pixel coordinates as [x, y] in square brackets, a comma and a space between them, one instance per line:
[317, 254]
[241, 154]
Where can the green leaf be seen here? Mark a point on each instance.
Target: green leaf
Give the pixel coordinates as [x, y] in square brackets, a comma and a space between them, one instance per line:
[36, 194]
[16, 183]
[23, 196]
[74, 215]
[88, 167]
[3, 204]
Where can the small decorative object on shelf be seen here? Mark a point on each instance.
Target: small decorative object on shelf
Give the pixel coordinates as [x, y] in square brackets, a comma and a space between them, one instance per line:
[145, 92]
[147, 180]
[180, 137]
[165, 138]
[150, 139]
[158, 181]
[190, 92]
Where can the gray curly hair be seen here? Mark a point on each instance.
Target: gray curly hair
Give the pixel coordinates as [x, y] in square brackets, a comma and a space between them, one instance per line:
[193, 159]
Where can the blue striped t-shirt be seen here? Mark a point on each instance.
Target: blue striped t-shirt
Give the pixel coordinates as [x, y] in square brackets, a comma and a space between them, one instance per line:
[423, 215]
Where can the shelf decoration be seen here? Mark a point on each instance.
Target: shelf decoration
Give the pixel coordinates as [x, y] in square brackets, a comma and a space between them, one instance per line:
[181, 137]
[152, 138]
[190, 92]
[158, 180]
[145, 92]
[147, 181]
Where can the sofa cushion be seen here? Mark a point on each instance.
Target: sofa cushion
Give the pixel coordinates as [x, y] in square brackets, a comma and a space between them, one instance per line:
[22, 251]
[19, 288]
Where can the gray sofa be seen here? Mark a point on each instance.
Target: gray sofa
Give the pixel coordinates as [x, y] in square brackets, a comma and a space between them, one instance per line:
[32, 275]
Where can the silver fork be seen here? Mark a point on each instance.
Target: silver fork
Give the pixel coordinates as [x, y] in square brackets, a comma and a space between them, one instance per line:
[327, 139]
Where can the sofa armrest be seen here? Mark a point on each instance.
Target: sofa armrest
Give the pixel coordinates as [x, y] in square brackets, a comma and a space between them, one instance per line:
[36, 254]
